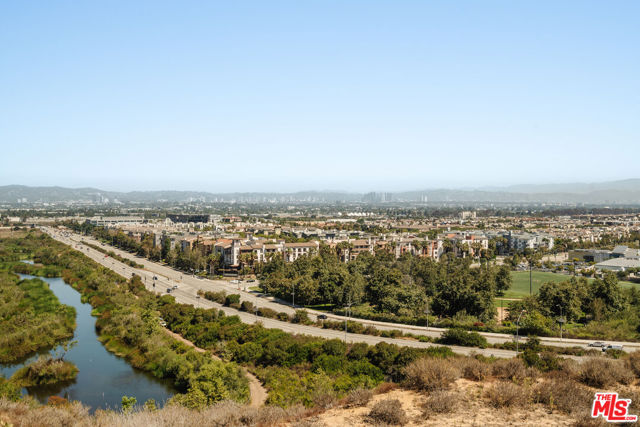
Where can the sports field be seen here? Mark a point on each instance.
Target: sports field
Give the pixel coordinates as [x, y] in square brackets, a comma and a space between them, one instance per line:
[520, 287]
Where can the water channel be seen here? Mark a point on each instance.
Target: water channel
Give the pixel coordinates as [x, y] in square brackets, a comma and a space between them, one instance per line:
[103, 377]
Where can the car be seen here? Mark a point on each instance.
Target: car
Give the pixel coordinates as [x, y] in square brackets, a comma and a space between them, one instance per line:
[597, 344]
[155, 277]
[322, 317]
[612, 347]
[168, 290]
[175, 287]
[235, 281]
[251, 280]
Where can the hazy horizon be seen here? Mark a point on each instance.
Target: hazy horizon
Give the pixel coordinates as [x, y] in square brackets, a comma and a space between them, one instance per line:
[287, 96]
[506, 188]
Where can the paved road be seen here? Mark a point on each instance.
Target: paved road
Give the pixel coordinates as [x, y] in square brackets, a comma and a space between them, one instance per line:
[189, 285]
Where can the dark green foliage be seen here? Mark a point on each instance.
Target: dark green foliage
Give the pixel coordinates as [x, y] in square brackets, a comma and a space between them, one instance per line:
[218, 297]
[395, 287]
[457, 336]
[232, 299]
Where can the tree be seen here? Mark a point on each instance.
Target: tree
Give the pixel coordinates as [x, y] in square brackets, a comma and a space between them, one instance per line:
[562, 298]
[503, 279]
[607, 290]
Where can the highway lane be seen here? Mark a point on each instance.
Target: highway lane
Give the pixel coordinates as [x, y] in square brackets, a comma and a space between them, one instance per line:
[187, 294]
[173, 277]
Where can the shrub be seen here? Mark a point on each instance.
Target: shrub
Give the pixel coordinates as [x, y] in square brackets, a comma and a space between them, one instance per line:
[327, 363]
[509, 369]
[599, 372]
[302, 317]
[430, 374]
[267, 312]
[358, 351]
[231, 299]
[473, 369]
[458, 336]
[506, 394]
[633, 363]
[385, 388]
[247, 306]
[284, 317]
[9, 390]
[334, 347]
[563, 393]
[441, 402]
[358, 397]
[45, 370]
[388, 411]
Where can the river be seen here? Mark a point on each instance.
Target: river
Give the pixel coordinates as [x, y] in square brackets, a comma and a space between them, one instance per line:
[103, 377]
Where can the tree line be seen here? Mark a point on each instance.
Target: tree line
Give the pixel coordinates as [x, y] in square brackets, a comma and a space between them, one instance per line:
[405, 286]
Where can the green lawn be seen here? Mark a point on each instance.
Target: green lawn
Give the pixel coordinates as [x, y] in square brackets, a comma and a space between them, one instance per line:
[520, 287]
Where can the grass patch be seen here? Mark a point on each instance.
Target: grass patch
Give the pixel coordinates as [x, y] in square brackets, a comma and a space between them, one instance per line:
[520, 286]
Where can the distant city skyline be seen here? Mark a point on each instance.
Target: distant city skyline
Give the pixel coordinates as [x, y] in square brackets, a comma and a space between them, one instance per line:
[348, 96]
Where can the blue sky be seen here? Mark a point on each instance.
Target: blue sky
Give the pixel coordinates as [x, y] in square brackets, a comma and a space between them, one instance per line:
[349, 95]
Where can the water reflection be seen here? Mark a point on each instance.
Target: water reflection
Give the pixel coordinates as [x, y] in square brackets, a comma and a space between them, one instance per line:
[103, 378]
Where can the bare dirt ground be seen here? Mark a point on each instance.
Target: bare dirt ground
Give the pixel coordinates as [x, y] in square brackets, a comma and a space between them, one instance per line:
[471, 410]
[256, 391]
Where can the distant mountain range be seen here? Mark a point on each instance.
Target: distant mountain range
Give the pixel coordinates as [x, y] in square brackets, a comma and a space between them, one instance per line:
[613, 192]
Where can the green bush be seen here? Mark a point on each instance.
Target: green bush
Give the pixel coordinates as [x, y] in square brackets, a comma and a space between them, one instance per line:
[218, 297]
[457, 336]
[247, 306]
[232, 299]
[302, 317]
[284, 317]
[267, 312]
[9, 390]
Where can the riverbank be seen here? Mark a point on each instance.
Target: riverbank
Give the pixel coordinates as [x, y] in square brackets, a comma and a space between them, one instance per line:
[128, 325]
[103, 378]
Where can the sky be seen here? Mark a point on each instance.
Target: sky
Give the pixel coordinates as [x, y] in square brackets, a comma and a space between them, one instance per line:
[318, 95]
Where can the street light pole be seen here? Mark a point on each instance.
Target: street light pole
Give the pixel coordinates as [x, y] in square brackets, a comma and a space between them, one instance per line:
[426, 312]
[518, 331]
[561, 320]
[346, 320]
